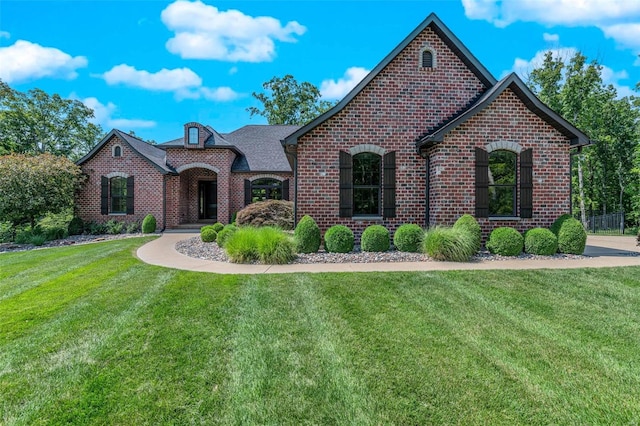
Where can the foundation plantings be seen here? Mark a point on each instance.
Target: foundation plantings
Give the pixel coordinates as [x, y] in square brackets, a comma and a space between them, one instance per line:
[449, 244]
[307, 235]
[505, 241]
[266, 245]
[375, 238]
[540, 241]
[339, 239]
[572, 237]
[408, 238]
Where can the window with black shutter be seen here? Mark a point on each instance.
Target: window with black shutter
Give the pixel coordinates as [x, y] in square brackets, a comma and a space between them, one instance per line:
[116, 195]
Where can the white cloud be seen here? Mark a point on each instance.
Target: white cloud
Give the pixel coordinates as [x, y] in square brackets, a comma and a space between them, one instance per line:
[103, 115]
[233, 70]
[551, 37]
[523, 67]
[205, 32]
[609, 76]
[4, 34]
[24, 61]
[217, 94]
[626, 35]
[332, 89]
[164, 80]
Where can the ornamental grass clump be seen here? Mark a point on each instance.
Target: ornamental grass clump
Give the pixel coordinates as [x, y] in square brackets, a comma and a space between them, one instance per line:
[266, 244]
[307, 235]
[505, 241]
[375, 238]
[149, 224]
[224, 235]
[540, 241]
[338, 239]
[470, 224]
[208, 234]
[572, 237]
[408, 238]
[450, 244]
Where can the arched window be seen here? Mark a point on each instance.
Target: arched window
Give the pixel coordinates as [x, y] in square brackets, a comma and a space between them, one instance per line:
[118, 194]
[117, 151]
[502, 183]
[427, 59]
[266, 189]
[367, 172]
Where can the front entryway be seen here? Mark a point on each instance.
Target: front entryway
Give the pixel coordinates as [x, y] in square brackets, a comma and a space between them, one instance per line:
[208, 200]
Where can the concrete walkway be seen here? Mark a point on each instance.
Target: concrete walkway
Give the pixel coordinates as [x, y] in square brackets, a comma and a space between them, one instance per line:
[601, 251]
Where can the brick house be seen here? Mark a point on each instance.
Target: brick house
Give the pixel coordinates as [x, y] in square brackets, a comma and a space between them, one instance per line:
[427, 136]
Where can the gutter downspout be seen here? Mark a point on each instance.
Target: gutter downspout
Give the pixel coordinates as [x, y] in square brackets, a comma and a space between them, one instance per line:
[427, 196]
[164, 202]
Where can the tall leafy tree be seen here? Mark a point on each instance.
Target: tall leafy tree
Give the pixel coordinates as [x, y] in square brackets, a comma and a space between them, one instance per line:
[36, 122]
[285, 101]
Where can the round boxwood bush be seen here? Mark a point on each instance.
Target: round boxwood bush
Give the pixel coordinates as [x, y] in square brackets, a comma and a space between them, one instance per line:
[450, 244]
[149, 224]
[224, 235]
[540, 241]
[307, 235]
[408, 238]
[470, 225]
[375, 238]
[208, 234]
[338, 239]
[217, 226]
[76, 226]
[557, 224]
[505, 241]
[572, 238]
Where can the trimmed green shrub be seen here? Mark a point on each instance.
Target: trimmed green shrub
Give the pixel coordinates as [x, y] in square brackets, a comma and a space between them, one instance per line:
[505, 241]
[208, 234]
[267, 244]
[114, 227]
[23, 237]
[207, 227]
[408, 238]
[38, 240]
[133, 227]
[338, 239]
[76, 226]
[470, 224]
[555, 226]
[217, 226]
[307, 235]
[446, 243]
[55, 233]
[149, 224]
[224, 235]
[572, 237]
[97, 228]
[375, 238]
[540, 241]
[276, 213]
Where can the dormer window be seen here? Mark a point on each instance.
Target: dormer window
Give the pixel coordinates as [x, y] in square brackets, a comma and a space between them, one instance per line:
[427, 59]
[193, 136]
[117, 151]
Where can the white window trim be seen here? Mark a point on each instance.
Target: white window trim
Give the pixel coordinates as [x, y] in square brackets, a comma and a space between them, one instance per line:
[116, 174]
[113, 151]
[434, 57]
[367, 147]
[503, 145]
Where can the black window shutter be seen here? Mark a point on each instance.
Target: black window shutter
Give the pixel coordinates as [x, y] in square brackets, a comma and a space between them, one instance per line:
[130, 195]
[247, 192]
[526, 183]
[285, 189]
[482, 183]
[346, 185]
[104, 195]
[389, 185]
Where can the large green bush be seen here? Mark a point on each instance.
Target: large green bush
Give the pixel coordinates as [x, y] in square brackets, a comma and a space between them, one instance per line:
[450, 244]
[572, 237]
[114, 227]
[408, 238]
[555, 226]
[375, 238]
[76, 226]
[307, 235]
[224, 235]
[208, 234]
[540, 241]
[266, 244]
[505, 241]
[470, 225]
[149, 224]
[338, 239]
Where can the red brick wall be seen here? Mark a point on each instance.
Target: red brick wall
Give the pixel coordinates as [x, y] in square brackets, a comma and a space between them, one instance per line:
[506, 119]
[395, 108]
[147, 184]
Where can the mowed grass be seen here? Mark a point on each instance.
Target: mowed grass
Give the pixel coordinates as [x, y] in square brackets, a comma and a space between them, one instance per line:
[90, 335]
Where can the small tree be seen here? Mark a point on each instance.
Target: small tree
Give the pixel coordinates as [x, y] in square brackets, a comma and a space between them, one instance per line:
[31, 186]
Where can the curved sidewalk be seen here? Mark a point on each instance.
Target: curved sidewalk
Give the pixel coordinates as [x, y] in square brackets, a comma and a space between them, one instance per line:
[601, 251]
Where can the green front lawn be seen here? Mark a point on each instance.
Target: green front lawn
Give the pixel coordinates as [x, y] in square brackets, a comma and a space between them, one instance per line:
[90, 335]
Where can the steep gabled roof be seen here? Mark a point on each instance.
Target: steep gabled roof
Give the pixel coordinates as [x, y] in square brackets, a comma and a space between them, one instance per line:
[447, 37]
[262, 148]
[155, 156]
[520, 89]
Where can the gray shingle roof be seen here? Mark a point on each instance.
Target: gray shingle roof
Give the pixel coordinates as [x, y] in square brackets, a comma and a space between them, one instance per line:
[262, 148]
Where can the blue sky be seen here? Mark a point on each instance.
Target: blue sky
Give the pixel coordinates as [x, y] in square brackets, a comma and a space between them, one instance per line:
[150, 66]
